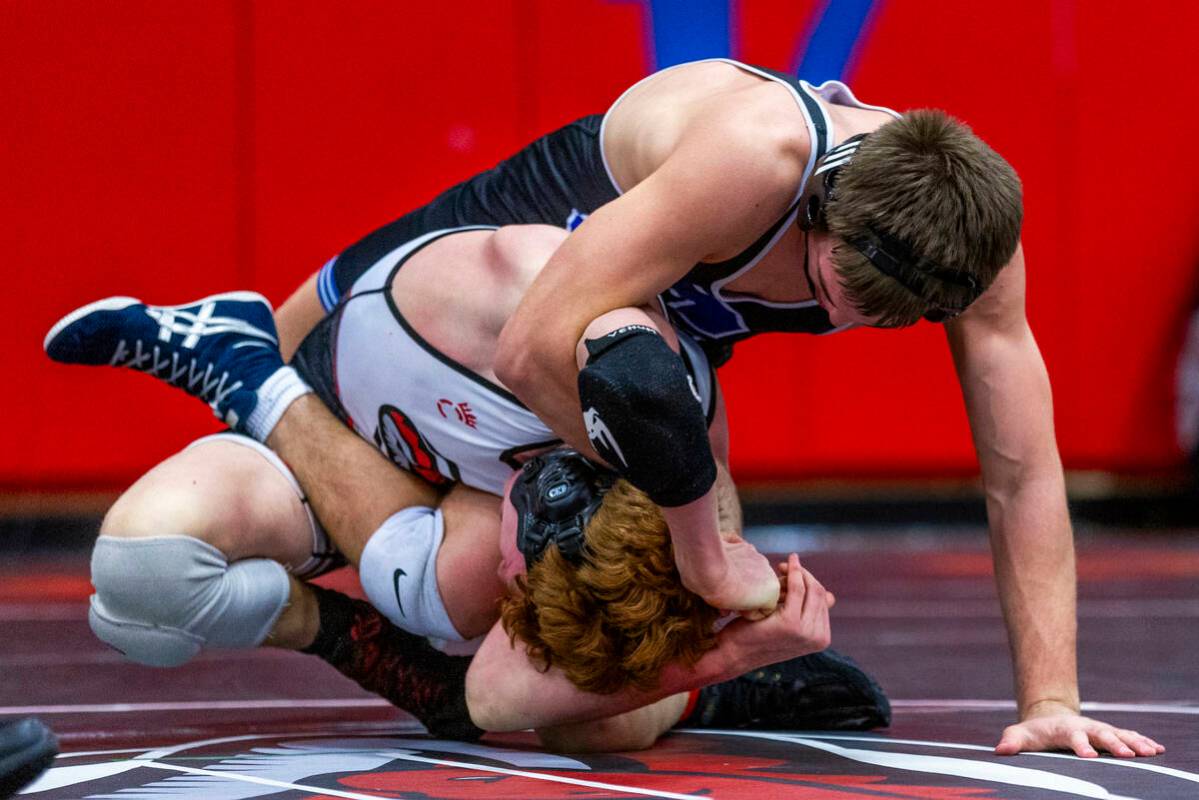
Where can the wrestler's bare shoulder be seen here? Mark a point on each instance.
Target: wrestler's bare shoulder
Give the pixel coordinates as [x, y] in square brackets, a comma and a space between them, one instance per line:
[737, 111]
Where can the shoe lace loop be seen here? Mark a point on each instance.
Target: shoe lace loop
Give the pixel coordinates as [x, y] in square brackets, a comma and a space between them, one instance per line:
[185, 374]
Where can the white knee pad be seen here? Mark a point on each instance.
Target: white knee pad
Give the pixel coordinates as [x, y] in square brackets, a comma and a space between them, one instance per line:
[398, 571]
[160, 600]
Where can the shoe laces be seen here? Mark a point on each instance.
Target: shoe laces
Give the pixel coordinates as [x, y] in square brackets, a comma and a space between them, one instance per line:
[187, 374]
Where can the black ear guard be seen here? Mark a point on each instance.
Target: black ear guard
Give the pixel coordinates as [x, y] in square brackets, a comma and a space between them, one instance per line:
[889, 254]
[555, 496]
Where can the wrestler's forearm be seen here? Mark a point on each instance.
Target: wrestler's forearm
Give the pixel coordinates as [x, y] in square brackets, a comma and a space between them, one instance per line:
[1010, 405]
[352, 488]
[695, 536]
[1033, 549]
[505, 692]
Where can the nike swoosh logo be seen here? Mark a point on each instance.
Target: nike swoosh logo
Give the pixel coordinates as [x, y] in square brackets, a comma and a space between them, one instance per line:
[395, 578]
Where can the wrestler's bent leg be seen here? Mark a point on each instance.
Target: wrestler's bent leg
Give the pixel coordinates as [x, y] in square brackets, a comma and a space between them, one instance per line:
[198, 552]
[194, 555]
[469, 559]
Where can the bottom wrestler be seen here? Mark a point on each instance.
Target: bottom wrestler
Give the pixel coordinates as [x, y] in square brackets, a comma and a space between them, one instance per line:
[206, 492]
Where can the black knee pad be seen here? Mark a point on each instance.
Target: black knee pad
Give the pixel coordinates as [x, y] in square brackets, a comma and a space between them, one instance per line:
[644, 417]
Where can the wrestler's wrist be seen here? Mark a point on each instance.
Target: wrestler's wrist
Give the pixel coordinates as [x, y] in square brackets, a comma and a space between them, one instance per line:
[695, 527]
[737, 656]
[1049, 706]
[702, 562]
[703, 573]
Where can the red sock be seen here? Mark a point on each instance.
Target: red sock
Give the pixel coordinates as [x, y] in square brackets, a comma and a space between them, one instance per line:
[692, 699]
[399, 666]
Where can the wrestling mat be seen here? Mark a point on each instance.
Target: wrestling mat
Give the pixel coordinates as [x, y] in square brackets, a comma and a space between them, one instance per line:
[917, 610]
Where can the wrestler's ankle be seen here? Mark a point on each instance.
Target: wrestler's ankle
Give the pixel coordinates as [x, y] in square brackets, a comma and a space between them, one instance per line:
[275, 397]
[298, 625]
[335, 620]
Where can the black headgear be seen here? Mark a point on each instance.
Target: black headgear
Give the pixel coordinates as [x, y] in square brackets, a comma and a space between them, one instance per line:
[555, 495]
[890, 255]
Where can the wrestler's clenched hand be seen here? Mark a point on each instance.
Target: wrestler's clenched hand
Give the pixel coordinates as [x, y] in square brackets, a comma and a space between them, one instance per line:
[800, 624]
[741, 580]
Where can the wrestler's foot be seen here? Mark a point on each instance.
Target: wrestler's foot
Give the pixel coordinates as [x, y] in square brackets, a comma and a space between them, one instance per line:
[26, 748]
[222, 349]
[821, 691]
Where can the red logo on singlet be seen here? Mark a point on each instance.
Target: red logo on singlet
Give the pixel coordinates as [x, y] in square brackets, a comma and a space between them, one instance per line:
[410, 450]
[461, 410]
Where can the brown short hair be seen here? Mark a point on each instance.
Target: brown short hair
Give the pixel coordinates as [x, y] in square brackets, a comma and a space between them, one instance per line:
[927, 180]
[620, 616]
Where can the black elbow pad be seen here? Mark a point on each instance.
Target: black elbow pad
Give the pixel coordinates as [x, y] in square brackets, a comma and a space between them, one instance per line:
[644, 416]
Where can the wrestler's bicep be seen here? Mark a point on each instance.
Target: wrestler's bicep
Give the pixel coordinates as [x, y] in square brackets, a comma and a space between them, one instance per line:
[711, 198]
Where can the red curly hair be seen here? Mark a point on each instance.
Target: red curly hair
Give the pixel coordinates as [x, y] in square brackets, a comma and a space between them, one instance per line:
[618, 617]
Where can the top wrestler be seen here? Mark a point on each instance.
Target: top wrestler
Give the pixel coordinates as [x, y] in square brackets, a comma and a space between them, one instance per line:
[692, 182]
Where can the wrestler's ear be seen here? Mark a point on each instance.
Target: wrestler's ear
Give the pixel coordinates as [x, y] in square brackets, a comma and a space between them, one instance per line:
[512, 562]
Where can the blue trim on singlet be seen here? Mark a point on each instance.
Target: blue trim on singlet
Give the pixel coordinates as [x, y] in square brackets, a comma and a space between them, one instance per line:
[326, 286]
[830, 51]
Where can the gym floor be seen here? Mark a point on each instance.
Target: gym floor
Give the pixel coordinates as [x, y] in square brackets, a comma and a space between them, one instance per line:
[916, 607]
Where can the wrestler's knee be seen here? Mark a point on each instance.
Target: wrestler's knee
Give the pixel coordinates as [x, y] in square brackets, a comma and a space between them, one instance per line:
[178, 564]
[219, 492]
[159, 503]
[159, 600]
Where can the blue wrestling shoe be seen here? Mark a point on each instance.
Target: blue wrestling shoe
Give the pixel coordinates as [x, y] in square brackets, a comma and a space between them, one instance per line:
[822, 691]
[221, 349]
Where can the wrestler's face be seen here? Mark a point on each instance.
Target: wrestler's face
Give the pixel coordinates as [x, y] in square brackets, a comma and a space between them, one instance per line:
[512, 562]
[826, 284]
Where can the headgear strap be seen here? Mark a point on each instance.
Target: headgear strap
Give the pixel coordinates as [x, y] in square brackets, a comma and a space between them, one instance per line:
[555, 496]
[889, 254]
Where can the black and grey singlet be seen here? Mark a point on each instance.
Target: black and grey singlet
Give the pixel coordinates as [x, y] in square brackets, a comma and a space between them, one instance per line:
[562, 177]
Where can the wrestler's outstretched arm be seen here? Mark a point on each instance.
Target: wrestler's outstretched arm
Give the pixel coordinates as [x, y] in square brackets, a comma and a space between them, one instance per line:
[1008, 400]
[506, 692]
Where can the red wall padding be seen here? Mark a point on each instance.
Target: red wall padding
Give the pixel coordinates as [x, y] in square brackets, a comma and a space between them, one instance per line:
[167, 150]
